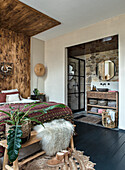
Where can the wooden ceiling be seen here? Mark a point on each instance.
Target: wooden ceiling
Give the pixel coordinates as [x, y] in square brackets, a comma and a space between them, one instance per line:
[18, 17]
[94, 46]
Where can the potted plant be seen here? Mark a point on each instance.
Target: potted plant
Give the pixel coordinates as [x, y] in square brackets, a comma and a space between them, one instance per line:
[36, 92]
[18, 118]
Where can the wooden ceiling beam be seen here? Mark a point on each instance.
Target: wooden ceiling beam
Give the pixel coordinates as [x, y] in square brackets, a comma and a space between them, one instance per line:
[21, 18]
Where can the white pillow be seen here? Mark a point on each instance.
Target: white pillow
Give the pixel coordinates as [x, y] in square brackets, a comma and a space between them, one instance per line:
[9, 91]
[12, 98]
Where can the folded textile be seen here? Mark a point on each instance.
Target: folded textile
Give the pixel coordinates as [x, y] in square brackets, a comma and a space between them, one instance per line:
[93, 109]
[112, 114]
[112, 104]
[100, 110]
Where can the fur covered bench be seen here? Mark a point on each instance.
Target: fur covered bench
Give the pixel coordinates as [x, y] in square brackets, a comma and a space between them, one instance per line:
[55, 135]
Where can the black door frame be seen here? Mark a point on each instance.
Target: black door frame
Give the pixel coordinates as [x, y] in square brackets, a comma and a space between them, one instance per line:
[79, 76]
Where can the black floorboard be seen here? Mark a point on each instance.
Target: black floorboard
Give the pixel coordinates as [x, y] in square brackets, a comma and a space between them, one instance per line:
[106, 147]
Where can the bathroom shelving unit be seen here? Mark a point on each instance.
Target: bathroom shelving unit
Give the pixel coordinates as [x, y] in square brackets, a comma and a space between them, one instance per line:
[110, 96]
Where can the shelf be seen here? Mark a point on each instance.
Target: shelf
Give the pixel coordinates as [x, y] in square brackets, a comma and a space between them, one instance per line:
[107, 107]
[112, 96]
[94, 113]
[102, 95]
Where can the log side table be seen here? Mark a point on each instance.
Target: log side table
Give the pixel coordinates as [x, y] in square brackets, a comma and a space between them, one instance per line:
[33, 139]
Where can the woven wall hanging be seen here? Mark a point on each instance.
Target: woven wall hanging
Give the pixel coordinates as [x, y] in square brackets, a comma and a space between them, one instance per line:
[39, 69]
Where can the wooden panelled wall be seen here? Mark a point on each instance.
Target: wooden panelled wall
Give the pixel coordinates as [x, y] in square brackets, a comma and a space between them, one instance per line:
[15, 48]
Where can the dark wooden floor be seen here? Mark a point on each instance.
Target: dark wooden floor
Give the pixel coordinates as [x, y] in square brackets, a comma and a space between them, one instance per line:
[105, 147]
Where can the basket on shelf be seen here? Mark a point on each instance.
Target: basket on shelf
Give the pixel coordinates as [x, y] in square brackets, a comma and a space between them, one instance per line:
[107, 121]
[92, 101]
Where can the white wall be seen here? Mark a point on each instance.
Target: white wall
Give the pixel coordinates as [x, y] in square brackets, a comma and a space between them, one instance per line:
[37, 56]
[112, 86]
[55, 58]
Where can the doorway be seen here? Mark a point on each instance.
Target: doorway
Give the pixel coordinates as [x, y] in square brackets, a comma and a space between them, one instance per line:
[93, 54]
[76, 84]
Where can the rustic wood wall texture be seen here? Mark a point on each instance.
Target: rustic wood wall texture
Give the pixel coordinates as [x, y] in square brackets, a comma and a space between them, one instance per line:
[15, 48]
[19, 17]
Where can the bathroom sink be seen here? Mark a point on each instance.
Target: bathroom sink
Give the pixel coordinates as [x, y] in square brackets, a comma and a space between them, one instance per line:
[102, 89]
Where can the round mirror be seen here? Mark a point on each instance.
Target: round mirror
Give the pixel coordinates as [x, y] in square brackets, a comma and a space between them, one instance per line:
[106, 70]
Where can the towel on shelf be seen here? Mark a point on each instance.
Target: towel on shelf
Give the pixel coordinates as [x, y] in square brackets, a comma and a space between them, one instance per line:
[112, 104]
[101, 110]
[93, 109]
[112, 114]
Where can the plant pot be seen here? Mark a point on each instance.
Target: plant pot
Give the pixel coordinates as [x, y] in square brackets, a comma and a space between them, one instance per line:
[26, 129]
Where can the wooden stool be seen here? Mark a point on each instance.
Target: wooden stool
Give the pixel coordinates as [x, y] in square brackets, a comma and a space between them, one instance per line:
[16, 164]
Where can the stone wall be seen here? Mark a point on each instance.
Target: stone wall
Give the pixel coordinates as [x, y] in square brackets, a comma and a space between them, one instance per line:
[92, 60]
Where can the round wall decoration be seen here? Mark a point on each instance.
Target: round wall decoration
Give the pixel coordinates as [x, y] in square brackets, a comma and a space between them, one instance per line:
[39, 69]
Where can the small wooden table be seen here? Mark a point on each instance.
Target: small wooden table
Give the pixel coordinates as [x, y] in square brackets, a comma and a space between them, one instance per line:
[16, 164]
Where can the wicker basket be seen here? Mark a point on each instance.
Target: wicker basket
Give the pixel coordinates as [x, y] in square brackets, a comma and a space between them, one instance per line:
[102, 103]
[92, 101]
[26, 129]
[105, 118]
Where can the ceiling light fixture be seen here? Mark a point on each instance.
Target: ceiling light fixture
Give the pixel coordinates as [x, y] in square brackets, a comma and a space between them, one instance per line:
[107, 39]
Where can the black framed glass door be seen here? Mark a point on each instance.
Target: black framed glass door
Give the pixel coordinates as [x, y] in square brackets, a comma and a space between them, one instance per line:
[76, 84]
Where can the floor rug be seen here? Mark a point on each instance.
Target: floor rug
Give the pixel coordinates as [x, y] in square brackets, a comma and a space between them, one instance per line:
[77, 161]
[89, 119]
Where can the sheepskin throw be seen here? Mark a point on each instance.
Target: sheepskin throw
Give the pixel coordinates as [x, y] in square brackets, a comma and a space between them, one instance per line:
[55, 136]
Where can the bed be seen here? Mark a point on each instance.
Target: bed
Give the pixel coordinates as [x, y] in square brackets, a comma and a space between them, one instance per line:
[56, 113]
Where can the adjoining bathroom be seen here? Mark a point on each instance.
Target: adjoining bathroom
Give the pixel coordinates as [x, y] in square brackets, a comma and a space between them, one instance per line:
[93, 81]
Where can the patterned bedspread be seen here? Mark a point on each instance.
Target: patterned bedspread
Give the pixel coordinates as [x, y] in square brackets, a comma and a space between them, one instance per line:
[56, 113]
